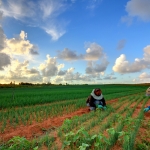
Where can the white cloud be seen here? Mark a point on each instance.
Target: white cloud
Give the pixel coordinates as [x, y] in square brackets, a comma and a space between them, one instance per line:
[49, 68]
[144, 75]
[70, 70]
[139, 8]
[43, 14]
[19, 72]
[57, 80]
[93, 52]
[20, 46]
[124, 66]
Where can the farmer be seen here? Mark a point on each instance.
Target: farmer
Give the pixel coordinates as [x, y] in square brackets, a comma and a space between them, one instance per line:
[147, 109]
[96, 100]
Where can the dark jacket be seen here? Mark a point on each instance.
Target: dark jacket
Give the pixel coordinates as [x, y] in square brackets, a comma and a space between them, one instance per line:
[91, 101]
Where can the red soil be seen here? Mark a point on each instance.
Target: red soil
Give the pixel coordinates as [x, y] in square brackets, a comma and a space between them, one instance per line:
[35, 129]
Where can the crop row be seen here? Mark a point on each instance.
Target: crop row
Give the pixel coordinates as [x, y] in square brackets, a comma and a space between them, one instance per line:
[21, 97]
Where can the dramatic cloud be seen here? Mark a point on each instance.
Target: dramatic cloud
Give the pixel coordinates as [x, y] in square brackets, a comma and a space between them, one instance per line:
[4, 60]
[124, 66]
[19, 72]
[121, 44]
[139, 8]
[49, 68]
[2, 39]
[20, 46]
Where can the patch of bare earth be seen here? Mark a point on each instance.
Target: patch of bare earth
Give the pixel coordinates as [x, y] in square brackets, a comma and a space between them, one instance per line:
[35, 129]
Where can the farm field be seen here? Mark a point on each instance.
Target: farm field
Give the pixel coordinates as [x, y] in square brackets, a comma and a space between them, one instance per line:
[57, 118]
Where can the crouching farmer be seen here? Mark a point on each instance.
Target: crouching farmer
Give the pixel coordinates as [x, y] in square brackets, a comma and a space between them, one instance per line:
[96, 100]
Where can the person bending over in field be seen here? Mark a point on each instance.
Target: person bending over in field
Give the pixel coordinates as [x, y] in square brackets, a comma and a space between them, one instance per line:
[96, 100]
[147, 109]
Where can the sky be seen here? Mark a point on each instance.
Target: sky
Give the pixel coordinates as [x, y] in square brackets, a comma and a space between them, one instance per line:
[75, 41]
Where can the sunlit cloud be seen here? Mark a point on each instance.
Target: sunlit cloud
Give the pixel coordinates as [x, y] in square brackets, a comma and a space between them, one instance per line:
[124, 66]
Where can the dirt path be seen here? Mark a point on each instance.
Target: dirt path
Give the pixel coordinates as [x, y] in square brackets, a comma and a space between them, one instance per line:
[36, 129]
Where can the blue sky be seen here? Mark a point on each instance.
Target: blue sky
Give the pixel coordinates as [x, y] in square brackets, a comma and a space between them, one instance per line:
[75, 41]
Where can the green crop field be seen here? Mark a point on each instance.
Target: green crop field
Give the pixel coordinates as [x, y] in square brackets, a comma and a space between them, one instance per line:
[123, 125]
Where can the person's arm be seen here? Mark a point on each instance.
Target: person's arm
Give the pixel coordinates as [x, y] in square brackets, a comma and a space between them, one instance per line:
[103, 100]
[87, 101]
[91, 101]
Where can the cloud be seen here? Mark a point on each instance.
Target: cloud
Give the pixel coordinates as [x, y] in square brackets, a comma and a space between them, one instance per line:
[124, 66]
[76, 77]
[19, 72]
[2, 39]
[67, 54]
[57, 80]
[43, 14]
[109, 77]
[49, 68]
[93, 52]
[4, 60]
[139, 8]
[1, 15]
[127, 19]
[144, 75]
[20, 46]
[62, 72]
[93, 4]
[93, 68]
[54, 31]
[121, 44]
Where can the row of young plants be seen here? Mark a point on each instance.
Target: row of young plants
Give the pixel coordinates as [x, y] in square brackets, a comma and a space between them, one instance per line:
[73, 140]
[25, 115]
[21, 143]
[128, 122]
[80, 138]
[15, 117]
[21, 97]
